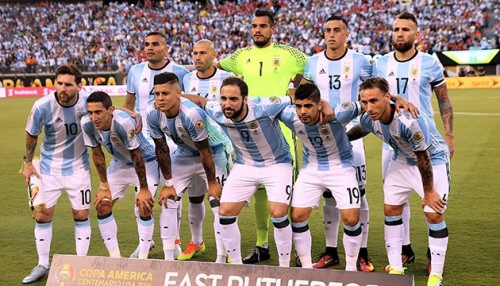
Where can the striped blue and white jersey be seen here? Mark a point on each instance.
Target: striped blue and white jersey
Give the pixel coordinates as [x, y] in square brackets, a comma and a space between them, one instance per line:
[208, 88]
[62, 152]
[257, 139]
[413, 79]
[407, 135]
[338, 80]
[325, 145]
[189, 126]
[120, 139]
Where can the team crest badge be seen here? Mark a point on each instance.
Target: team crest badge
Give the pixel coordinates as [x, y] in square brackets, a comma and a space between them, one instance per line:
[253, 124]
[180, 129]
[276, 63]
[324, 131]
[131, 134]
[396, 137]
[214, 89]
[199, 124]
[347, 105]
[275, 99]
[114, 138]
[346, 70]
[414, 72]
[418, 136]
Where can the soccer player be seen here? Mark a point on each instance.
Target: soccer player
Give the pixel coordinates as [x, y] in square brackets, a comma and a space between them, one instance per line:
[328, 163]
[205, 81]
[337, 72]
[140, 88]
[420, 163]
[200, 160]
[267, 68]
[414, 75]
[64, 163]
[133, 163]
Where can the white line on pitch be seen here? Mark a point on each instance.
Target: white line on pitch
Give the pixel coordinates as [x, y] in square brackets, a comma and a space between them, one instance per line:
[477, 113]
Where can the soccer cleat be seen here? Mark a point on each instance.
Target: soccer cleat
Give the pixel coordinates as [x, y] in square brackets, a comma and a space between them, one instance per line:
[365, 265]
[177, 250]
[407, 260]
[257, 255]
[191, 250]
[435, 280]
[429, 265]
[36, 274]
[135, 254]
[396, 271]
[297, 260]
[325, 260]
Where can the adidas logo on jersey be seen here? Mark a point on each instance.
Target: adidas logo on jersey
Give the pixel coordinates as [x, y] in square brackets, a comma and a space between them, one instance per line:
[322, 71]
[391, 74]
[249, 61]
[301, 132]
[193, 89]
[145, 79]
[58, 120]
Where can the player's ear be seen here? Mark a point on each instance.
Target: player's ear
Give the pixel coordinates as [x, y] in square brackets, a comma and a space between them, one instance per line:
[111, 108]
[320, 105]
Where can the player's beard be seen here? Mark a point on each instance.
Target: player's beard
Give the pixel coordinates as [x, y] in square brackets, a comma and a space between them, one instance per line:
[262, 43]
[236, 113]
[403, 47]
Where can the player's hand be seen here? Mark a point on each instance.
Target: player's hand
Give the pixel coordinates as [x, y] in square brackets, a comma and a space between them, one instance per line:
[449, 141]
[326, 113]
[103, 195]
[138, 123]
[435, 202]
[407, 106]
[28, 170]
[144, 201]
[166, 193]
[214, 190]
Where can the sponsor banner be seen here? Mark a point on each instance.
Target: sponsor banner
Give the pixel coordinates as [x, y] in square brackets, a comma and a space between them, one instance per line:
[16, 92]
[88, 270]
[2, 92]
[473, 82]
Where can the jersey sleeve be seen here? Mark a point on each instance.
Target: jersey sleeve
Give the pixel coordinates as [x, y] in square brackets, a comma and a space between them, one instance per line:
[287, 116]
[88, 132]
[34, 124]
[437, 76]
[153, 119]
[230, 63]
[366, 69]
[374, 69]
[196, 125]
[126, 131]
[185, 82]
[131, 82]
[275, 104]
[347, 111]
[298, 61]
[366, 123]
[419, 135]
[308, 70]
[181, 73]
[213, 108]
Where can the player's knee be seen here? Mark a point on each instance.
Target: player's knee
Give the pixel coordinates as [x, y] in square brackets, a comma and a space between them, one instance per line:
[434, 218]
[350, 220]
[44, 215]
[393, 210]
[80, 214]
[145, 213]
[299, 216]
[104, 208]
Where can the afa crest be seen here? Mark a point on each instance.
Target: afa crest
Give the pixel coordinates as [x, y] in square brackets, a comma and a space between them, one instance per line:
[414, 71]
[347, 105]
[346, 70]
[418, 136]
[275, 99]
[131, 134]
[200, 124]
[253, 124]
[324, 131]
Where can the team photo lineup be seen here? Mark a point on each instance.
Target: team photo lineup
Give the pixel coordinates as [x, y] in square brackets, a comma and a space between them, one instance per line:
[266, 125]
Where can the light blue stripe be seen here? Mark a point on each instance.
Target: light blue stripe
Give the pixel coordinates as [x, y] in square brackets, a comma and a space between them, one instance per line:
[437, 226]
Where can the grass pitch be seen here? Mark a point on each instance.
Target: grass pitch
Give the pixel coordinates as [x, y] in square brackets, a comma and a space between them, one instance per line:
[472, 216]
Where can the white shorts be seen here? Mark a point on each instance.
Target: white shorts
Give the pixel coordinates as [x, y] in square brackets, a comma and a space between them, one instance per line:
[78, 188]
[311, 183]
[188, 172]
[386, 160]
[244, 181]
[402, 179]
[121, 175]
[359, 161]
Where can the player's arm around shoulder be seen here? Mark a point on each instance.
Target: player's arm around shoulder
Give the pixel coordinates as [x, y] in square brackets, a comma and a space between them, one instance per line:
[196, 99]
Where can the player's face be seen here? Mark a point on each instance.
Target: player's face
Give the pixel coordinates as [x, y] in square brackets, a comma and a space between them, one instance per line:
[336, 34]
[100, 116]
[375, 102]
[262, 31]
[167, 97]
[232, 103]
[155, 48]
[203, 56]
[308, 111]
[404, 33]
[67, 89]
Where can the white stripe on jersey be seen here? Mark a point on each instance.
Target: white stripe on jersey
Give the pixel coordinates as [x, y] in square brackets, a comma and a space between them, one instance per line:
[62, 151]
[208, 88]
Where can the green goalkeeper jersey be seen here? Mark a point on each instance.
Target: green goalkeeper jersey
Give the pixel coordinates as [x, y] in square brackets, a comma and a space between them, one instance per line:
[267, 71]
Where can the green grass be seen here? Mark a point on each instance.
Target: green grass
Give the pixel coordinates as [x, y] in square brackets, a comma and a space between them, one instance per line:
[472, 216]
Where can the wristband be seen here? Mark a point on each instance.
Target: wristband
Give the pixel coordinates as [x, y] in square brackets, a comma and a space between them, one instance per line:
[104, 186]
[168, 183]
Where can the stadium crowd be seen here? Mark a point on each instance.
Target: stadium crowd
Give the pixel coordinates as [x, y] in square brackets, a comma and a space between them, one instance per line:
[38, 37]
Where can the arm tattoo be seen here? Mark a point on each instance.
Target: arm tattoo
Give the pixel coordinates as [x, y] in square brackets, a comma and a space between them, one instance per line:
[163, 156]
[140, 168]
[445, 108]
[206, 159]
[31, 142]
[425, 168]
[100, 163]
[356, 133]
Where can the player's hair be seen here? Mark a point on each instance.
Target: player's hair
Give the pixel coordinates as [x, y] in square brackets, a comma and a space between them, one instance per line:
[166, 77]
[308, 91]
[265, 13]
[375, 82]
[232, 80]
[408, 16]
[70, 69]
[154, 33]
[338, 18]
[100, 96]
[211, 44]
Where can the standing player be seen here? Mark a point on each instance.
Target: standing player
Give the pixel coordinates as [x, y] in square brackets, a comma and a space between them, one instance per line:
[206, 81]
[64, 163]
[414, 75]
[420, 163]
[267, 68]
[337, 72]
[133, 163]
[200, 159]
[140, 86]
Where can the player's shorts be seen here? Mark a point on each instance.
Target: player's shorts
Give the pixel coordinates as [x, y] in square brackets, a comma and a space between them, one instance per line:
[402, 179]
[78, 189]
[359, 158]
[188, 172]
[311, 183]
[244, 181]
[386, 160]
[121, 175]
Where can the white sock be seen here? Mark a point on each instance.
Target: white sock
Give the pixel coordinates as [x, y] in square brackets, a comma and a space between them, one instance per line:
[196, 216]
[393, 232]
[221, 251]
[352, 242]
[146, 229]
[82, 236]
[406, 223]
[303, 242]
[364, 218]
[109, 230]
[438, 244]
[168, 228]
[43, 238]
[231, 237]
[283, 239]
[331, 221]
